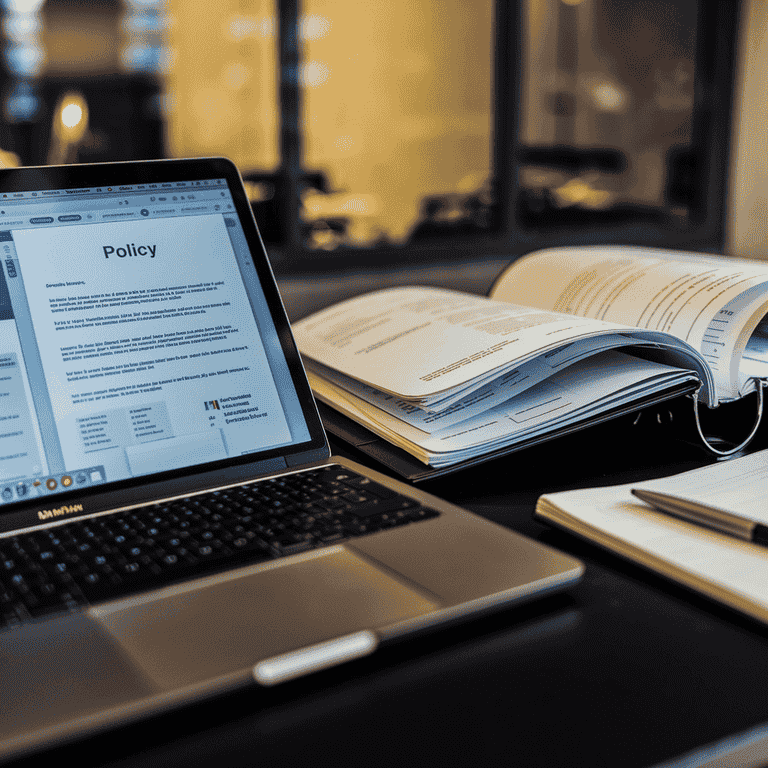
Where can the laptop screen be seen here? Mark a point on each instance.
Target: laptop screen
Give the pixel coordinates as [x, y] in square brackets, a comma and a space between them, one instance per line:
[135, 338]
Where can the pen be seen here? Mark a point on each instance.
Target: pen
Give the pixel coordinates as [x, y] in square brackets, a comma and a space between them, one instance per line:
[709, 517]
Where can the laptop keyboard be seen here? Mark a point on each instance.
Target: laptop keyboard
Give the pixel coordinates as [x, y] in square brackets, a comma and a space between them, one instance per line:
[103, 558]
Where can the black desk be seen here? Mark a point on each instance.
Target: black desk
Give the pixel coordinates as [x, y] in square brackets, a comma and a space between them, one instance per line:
[626, 669]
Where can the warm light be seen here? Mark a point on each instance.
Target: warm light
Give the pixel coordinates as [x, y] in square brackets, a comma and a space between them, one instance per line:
[608, 97]
[314, 27]
[9, 159]
[236, 75]
[71, 115]
[356, 205]
[259, 191]
[242, 27]
[70, 128]
[314, 74]
[340, 204]
[579, 192]
[344, 143]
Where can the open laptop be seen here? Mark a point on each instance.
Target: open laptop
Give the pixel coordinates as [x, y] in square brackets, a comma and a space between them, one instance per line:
[171, 522]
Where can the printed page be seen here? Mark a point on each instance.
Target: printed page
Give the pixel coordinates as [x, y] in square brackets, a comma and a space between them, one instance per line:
[738, 486]
[755, 359]
[729, 569]
[151, 353]
[417, 342]
[590, 386]
[510, 384]
[712, 303]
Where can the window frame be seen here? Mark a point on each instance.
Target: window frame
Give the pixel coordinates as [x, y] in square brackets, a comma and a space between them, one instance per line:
[717, 27]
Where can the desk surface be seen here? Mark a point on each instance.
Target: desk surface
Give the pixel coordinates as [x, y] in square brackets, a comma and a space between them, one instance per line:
[625, 669]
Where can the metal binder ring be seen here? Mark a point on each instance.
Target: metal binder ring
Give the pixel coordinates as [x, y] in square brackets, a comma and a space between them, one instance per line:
[761, 384]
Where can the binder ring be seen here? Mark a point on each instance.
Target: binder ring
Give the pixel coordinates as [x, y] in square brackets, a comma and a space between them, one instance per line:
[761, 384]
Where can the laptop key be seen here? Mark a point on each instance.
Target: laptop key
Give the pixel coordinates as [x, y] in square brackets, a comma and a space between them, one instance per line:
[380, 506]
[81, 562]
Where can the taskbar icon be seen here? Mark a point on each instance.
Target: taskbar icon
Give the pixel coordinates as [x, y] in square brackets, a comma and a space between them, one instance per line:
[19, 490]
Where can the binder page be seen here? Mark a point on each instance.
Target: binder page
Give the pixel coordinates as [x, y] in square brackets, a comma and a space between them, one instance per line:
[589, 387]
[712, 303]
[418, 342]
[738, 486]
[754, 362]
[499, 390]
[724, 567]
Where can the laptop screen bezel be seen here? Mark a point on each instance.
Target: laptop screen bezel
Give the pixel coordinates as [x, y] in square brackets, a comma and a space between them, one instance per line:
[141, 488]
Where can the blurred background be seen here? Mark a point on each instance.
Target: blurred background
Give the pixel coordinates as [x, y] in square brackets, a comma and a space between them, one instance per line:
[378, 131]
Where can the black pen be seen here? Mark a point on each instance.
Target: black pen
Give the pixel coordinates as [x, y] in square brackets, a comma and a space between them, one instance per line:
[709, 517]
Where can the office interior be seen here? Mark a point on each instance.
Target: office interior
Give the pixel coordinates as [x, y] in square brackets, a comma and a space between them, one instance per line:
[405, 131]
[428, 142]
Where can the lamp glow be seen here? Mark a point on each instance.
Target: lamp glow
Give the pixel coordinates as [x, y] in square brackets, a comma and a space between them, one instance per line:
[71, 115]
[69, 129]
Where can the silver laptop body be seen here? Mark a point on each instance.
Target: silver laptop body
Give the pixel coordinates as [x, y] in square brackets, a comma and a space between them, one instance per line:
[122, 284]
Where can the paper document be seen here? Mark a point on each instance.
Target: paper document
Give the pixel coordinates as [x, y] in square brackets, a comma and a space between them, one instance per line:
[613, 378]
[464, 406]
[432, 346]
[727, 569]
[738, 487]
[714, 304]
[430, 367]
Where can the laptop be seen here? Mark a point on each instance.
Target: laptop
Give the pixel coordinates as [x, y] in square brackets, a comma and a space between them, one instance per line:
[172, 524]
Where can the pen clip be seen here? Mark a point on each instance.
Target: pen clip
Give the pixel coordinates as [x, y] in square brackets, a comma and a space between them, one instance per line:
[761, 384]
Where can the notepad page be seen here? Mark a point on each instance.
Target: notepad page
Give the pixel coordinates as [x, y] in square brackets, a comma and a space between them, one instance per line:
[728, 569]
[738, 486]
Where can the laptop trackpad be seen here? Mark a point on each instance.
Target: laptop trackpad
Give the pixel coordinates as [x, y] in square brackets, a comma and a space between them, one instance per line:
[186, 635]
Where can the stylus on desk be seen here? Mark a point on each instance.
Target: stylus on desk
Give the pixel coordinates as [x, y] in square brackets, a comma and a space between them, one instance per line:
[709, 517]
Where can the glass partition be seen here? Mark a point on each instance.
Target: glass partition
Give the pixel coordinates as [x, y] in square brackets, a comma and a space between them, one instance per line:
[607, 111]
[397, 129]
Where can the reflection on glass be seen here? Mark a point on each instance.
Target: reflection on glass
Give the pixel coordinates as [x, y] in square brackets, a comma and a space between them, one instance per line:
[143, 27]
[69, 129]
[23, 58]
[23, 52]
[397, 99]
[612, 82]
[221, 82]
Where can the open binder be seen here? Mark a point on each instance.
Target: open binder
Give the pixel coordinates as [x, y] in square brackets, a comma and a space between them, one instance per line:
[406, 466]
[429, 381]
